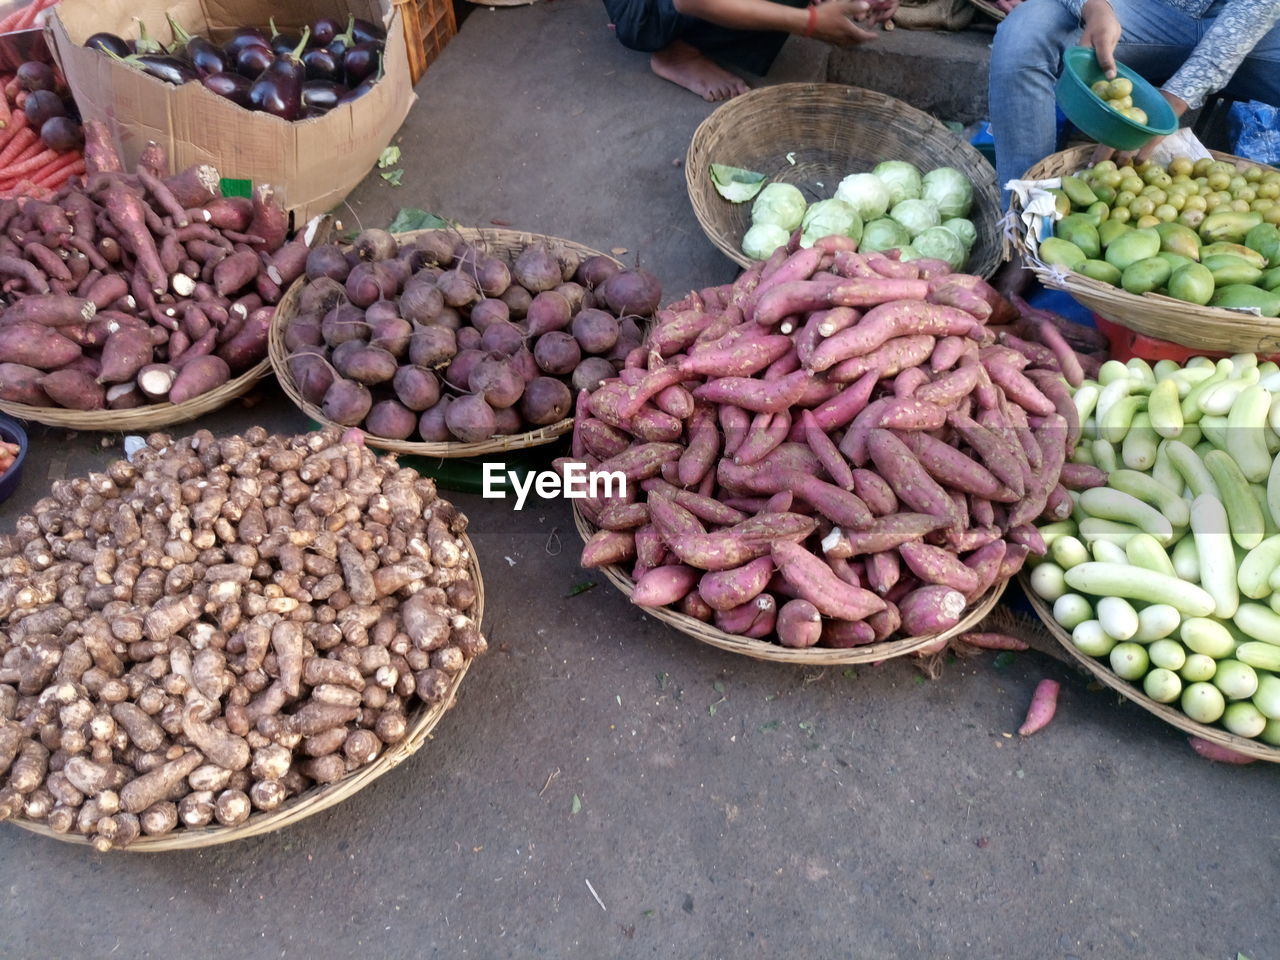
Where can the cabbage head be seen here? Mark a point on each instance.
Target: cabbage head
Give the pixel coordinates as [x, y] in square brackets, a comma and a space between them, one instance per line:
[779, 205]
[964, 229]
[830, 218]
[883, 234]
[939, 243]
[916, 216]
[949, 190]
[866, 193]
[902, 179]
[762, 239]
[909, 252]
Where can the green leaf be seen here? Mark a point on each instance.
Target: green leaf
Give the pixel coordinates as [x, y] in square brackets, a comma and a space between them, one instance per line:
[718, 687]
[712, 709]
[388, 157]
[735, 184]
[410, 218]
[577, 804]
[581, 587]
[850, 673]
[771, 725]
[393, 177]
[662, 681]
[807, 727]
[1004, 659]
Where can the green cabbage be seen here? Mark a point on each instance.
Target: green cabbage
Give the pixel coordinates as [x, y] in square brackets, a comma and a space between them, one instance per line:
[916, 216]
[902, 179]
[827, 218]
[964, 229]
[909, 252]
[949, 190]
[883, 234]
[779, 205]
[866, 193]
[762, 239]
[939, 243]
[735, 184]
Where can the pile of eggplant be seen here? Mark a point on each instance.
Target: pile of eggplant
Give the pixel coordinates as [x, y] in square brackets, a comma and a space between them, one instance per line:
[288, 75]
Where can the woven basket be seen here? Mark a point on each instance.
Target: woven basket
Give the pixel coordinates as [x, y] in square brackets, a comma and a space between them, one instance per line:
[153, 416]
[1151, 314]
[421, 724]
[807, 657]
[830, 130]
[504, 242]
[1165, 712]
[990, 9]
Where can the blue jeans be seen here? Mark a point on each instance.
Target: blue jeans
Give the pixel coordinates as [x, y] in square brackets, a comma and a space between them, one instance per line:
[1026, 60]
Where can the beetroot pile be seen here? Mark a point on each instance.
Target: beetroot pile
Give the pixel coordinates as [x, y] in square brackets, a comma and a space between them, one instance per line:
[834, 449]
[122, 289]
[436, 339]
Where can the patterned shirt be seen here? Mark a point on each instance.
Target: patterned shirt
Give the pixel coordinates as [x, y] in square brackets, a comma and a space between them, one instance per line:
[1239, 25]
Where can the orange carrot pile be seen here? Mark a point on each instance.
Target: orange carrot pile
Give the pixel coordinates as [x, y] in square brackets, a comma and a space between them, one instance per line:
[25, 18]
[27, 167]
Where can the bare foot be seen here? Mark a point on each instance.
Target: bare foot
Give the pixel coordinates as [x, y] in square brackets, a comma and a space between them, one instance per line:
[686, 66]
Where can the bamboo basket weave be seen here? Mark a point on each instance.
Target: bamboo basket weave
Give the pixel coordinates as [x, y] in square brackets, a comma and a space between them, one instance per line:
[501, 242]
[830, 130]
[806, 657]
[152, 416]
[1152, 314]
[316, 799]
[1167, 713]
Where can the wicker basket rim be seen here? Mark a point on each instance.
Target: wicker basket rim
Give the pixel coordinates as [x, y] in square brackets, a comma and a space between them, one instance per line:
[1176, 718]
[776, 653]
[277, 354]
[316, 799]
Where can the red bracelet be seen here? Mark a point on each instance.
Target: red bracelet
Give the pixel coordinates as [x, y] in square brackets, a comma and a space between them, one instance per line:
[813, 21]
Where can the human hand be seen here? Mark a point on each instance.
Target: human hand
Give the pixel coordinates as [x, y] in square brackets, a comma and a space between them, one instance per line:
[1101, 32]
[1144, 152]
[882, 11]
[833, 22]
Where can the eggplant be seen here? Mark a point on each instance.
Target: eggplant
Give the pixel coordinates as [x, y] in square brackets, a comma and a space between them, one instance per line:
[366, 32]
[310, 113]
[245, 37]
[144, 44]
[161, 66]
[340, 44]
[324, 94]
[360, 61]
[253, 59]
[278, 91]
[109, 43]
[204, 56]
[230, 85]
[364, 86]
[322, 65]
[281, 43]
[324, 30]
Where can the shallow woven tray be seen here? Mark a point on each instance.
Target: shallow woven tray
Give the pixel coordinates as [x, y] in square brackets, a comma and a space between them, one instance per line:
[1152, 314]
[500, 241]
[316, 799]
[153, 416]
[809, 656]
[831, 130]
[1167, 713]
[990, 9]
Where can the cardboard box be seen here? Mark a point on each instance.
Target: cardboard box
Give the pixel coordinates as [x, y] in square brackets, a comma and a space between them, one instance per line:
[19, 46]
[313, 164]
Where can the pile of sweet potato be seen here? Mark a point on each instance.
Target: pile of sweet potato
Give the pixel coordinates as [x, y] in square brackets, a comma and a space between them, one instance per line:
[127, 289]
[836, 448]
[218, 625]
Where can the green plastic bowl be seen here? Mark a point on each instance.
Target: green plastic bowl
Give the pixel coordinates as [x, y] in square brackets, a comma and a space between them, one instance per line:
[1092, 116]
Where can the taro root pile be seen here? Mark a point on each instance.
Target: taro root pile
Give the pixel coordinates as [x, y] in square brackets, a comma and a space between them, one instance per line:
[834, 449]
[126, 289]
[220, 625]
[436, 339]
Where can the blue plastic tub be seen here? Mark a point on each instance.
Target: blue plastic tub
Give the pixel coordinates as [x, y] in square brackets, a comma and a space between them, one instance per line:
[11, 432]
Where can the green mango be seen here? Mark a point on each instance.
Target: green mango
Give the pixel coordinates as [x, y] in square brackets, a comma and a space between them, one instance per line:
[1270, 280]
[1140, 244]
[1265, 238]
[1192, 283]
[1099, 211]
[1110, 229]
[1061, 253]
[1081, 193]
[1146, 275]
[1247, 254]
[1245, 295]
[1100, 270]
[1230, 269]
[1173, 259]
[1077, 229]
[1176, 238]
[1104, 194]
[1231, 225]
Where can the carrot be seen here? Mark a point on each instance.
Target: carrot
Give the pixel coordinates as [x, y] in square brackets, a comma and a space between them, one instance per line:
[10, 133]
[58, 175]
[1044, 702]
[22, 138]
[19, 167]
[11, 89]
[6, 114]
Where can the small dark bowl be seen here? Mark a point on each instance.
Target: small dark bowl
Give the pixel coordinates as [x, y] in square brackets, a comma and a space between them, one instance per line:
[11, 432]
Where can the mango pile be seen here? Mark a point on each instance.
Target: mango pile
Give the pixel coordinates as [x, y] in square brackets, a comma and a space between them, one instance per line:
[1204, 231]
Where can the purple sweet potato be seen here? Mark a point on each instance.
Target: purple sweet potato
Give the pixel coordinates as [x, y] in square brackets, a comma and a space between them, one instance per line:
[73, 389]
[346, 402]
[235, 272]
[936, 565]
[799, 624]
[391, 419]
[726, 589]
[126, 352]
[431, 425]
[156, 379]
[125, 396]
[931, 609]
[595, 330]
[753, 619]
[493, 378]
[50, 310]
[19, 384]
[470, 419]
[557, 353]
[35, 345]
[198, 377]
[249, 346]
[545, 401]
[664, 585]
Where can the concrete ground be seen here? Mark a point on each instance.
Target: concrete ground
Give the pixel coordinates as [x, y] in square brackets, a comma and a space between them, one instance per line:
[717, 807]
